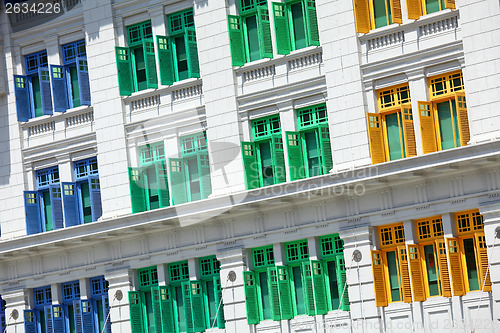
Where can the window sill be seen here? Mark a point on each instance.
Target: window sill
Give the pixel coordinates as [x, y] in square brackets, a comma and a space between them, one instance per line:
[56, 115]
[162, 90]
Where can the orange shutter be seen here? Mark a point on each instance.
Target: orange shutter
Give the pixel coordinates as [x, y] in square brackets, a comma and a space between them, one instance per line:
[414, 8]
[450, 4]
[482, 259]
[405, 274]
[409, 131]
[444, 274]
[397, 17]
[456, 272]
[427, 130]
[379, 282]
[376, 137]
[463, 119]
[362, 16]
[417, 279]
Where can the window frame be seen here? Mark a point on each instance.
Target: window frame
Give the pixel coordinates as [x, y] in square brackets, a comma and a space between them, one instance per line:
[80, 51]
[134, 45]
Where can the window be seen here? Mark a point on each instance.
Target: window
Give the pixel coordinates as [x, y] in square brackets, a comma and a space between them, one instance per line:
[145, 302]
[372, 14]
[391, 131]
[443, 121]
[99, 304]
[417, 8]
[264, 158]
[40, 318]
[190, 174]
[309, 149]
[75, 85]
[250, 33]
[71, 305]
[211, 292]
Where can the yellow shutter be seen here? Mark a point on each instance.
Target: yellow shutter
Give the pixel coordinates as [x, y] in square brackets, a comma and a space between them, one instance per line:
[456, 272]
[427, 129]
[376, 137]
[417, 280]
[414, 8]
[463, 119]
[444, 274]
[397, 17]
[405, 274]
[409, 131]
[362, 16]
[379, 282]
[482, 259]
[450, 4]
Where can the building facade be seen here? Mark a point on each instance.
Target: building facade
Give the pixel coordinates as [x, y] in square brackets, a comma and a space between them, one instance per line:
[250, 166]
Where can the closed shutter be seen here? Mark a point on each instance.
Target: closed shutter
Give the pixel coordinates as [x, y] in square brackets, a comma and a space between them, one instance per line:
[236, 40]
[124, 67]
[106, 316]
[162, 180]
[32, 212]
[319, 286]
[404, 274]
[278, 157]
[22, 98]
[58, 318]
[417, 279]
[444, 274]
[87, 316]
[312, 22]
[308, 288]
[450, 4]
[286, 307]
[362, 16]
[49, 323]
[77, 312]
[95, 197]
[427, 127]
[397, 17]
[221, 322]
[409, 131]
[206, 182]
[264, 25]
[250, 164]
[82, 68]
[135, 307]
[70, 205]
[341, 282]
[56, 206]
[177, 181]
[379, 283]
[463, 119]
[482, 262]
[274, 294]
[281, 28]
[165, 60]
[167, 310]
[456, 272]
[188, 306]
[148, 46]
[414, 8]
[59, 88]
[155, 293]
[137, 195]
[376, 137]
[198, 306]
[251, 298]
[326, 148]
[45, 91]
[192, 53]
[295, 156]
[30, 324]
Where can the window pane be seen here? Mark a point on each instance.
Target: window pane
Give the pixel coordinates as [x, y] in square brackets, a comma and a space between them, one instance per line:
[470, 261]
[299, 292]
[392, 265]
[432, 272]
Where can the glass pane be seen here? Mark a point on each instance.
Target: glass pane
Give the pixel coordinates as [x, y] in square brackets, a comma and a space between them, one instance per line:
[37, 96]
[392, 265]
[382, 13]
[432, 6]
[100, 315]
[140, 68]
[47, 210]
[194, 179]
[470, 261]
[264, 290]
[86, 206]
[252, 38]
[75, 90]
[212, 306]
[394, 136]
[299, 28]
[181, 316]
[446, 125]
[332, 280]
[182, 62]
[432, 273]
[312, 154]
[149, 311]
[299, 293]
[266, 163]
[152, 182]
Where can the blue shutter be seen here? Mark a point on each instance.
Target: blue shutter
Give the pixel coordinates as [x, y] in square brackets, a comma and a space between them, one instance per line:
[70, 204]
[95, 197]
[56, 206]
[59, 88]
[44, 76]
[87, 317]
[32, 211]
[58, 318]
[49, 325]
[105, 309]
[22, 98]
[83, 80]
[77, 309]
[29, 321]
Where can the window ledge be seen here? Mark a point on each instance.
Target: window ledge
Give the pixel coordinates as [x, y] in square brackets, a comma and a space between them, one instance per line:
[56, 115]
[162, 90]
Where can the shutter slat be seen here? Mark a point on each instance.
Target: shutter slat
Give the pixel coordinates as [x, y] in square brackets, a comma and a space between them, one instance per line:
[286, 307]
[264, 25]
[405, 274]
[295, 156]
[95, 197]
[319, 286]
[70, 205]
[87, 316]
[326, 148]
[278, 157]
[379, 283]
[59, 321]
[206, 181]
[236, 40]
[45, 90]
[482, 256]
[274, 294]
[167, 309]
[165, 59]
[177, 181]
[137, 195]
[221, 322]
[124, 67]
[308, 289]
[49, 324]
[281, 28]
[135, 307]
[148, 46]
[59, 88]
[456, 272]
[105, 309]
[376, 137]
[32, 212]
[251, 300]
[417, 279]
[409, 131]
[450, 4]
[362, 16]
[427, 127]
[56, 206]
[249, 153]
[463, 119]
[155, 294]
[162, 179]
[397, 16]
[414, 8]
[77, 311]
[192, 53]
[31, 325]
[444, 274]
[83, 80]
[188, 306]
[22, 98]
[341, 282]
[198, 306]
[312, 22]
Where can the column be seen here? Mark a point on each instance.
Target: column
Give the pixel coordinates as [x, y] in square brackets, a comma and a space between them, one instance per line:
[119, 286]
[16, 302]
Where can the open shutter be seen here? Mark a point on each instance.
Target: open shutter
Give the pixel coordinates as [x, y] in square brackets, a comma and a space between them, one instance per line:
[286, 308]
[59, 88]
[30, 324]
[95, 197]
[409, 131]
[167, 310]
[450, 4]
[463, 119]
[427, 127]
[155, 291]
[87, 316]
[188, 310]
[82, 68]
[362, 16]
[45, 91]
[148, 46]
[397, 17]
[482, 262]
[106, 316]
[70, 205]
[444, 275]
[264, 25]
[206, 182]
[281, 28]
[32, 212]
[56, 206]
[326, 148]
[312, 22]
[376, 137]
[221, 322]
[417, 279]
[192, 53]
[379, 283]
[308, 288]
[456, 272]
[295, 156]
[198, 306]
[165, 60]
[77, 312]
[404, 273]
[274, 294]
[341, 282]
[49, 324]
[319, 286]
[177, 181]
[22, 98]
[278, 157]
[414, 8]
[251, 300]
[58, 318]
[135, 307]
[236, 40]
[124, 67]
[251, 167]
[162, 178]
[136, 180]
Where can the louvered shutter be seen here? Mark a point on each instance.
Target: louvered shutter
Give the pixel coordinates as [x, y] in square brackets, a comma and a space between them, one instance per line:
[404, 274]
[376, 137]
[32, 212]
[22, 98]
[295, 155]
[450, 4]
[456, 272]
[417, 279]
[278, 158]
[165, 60]
[124, 67]
[58, 318]
[162, 180]
[177, 181]
[155, 294]
[251, 298]
[281, 29]
[77, 312]
[198, 306]
[482, 262]
[414, 8]
[264, 25]
[70, 205]
[148, 46]
[312, 22]
[250, 164]
[319, 286]
[409, 131]
[192, 53]
[326, 148]
[30, 324]
[341, 282]
[362, 16]
[286, 306]
[308, 288]
[379, 282]
[444, 274]
[87, 316]
[49, 323]
[95, 197]
[56, 206]
[206, 182]
[397, 16]
[106, 316]
[82, 68]
[59, 88]
[236, 40]
[137, 195]
[188, 306]
[274, 294]
[427, 127]
[463, 119]
[45, 90]
[167, 310]
[221, 322]
[135, 307]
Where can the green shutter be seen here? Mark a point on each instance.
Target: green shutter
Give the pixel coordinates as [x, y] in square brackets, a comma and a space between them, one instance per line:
[137, 195]
[249, 153]
[281, 28]
[192, 53]
[308, 288]
[188, 311]
[312, 22]
[148, 46]
[236, 40]
[326, 148]
[177, 181]
[295, 156]
[278, 155]
[198, 307]
[124, 67]
[319, 286]
[274, 294]
[165, 60]
[167, 310]
[251, 300]
[286, 307]
[206, 182]
[162, 180]
[341, 280]
[135, 308]
[155, 293]
[265, 43]
[221, 322]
